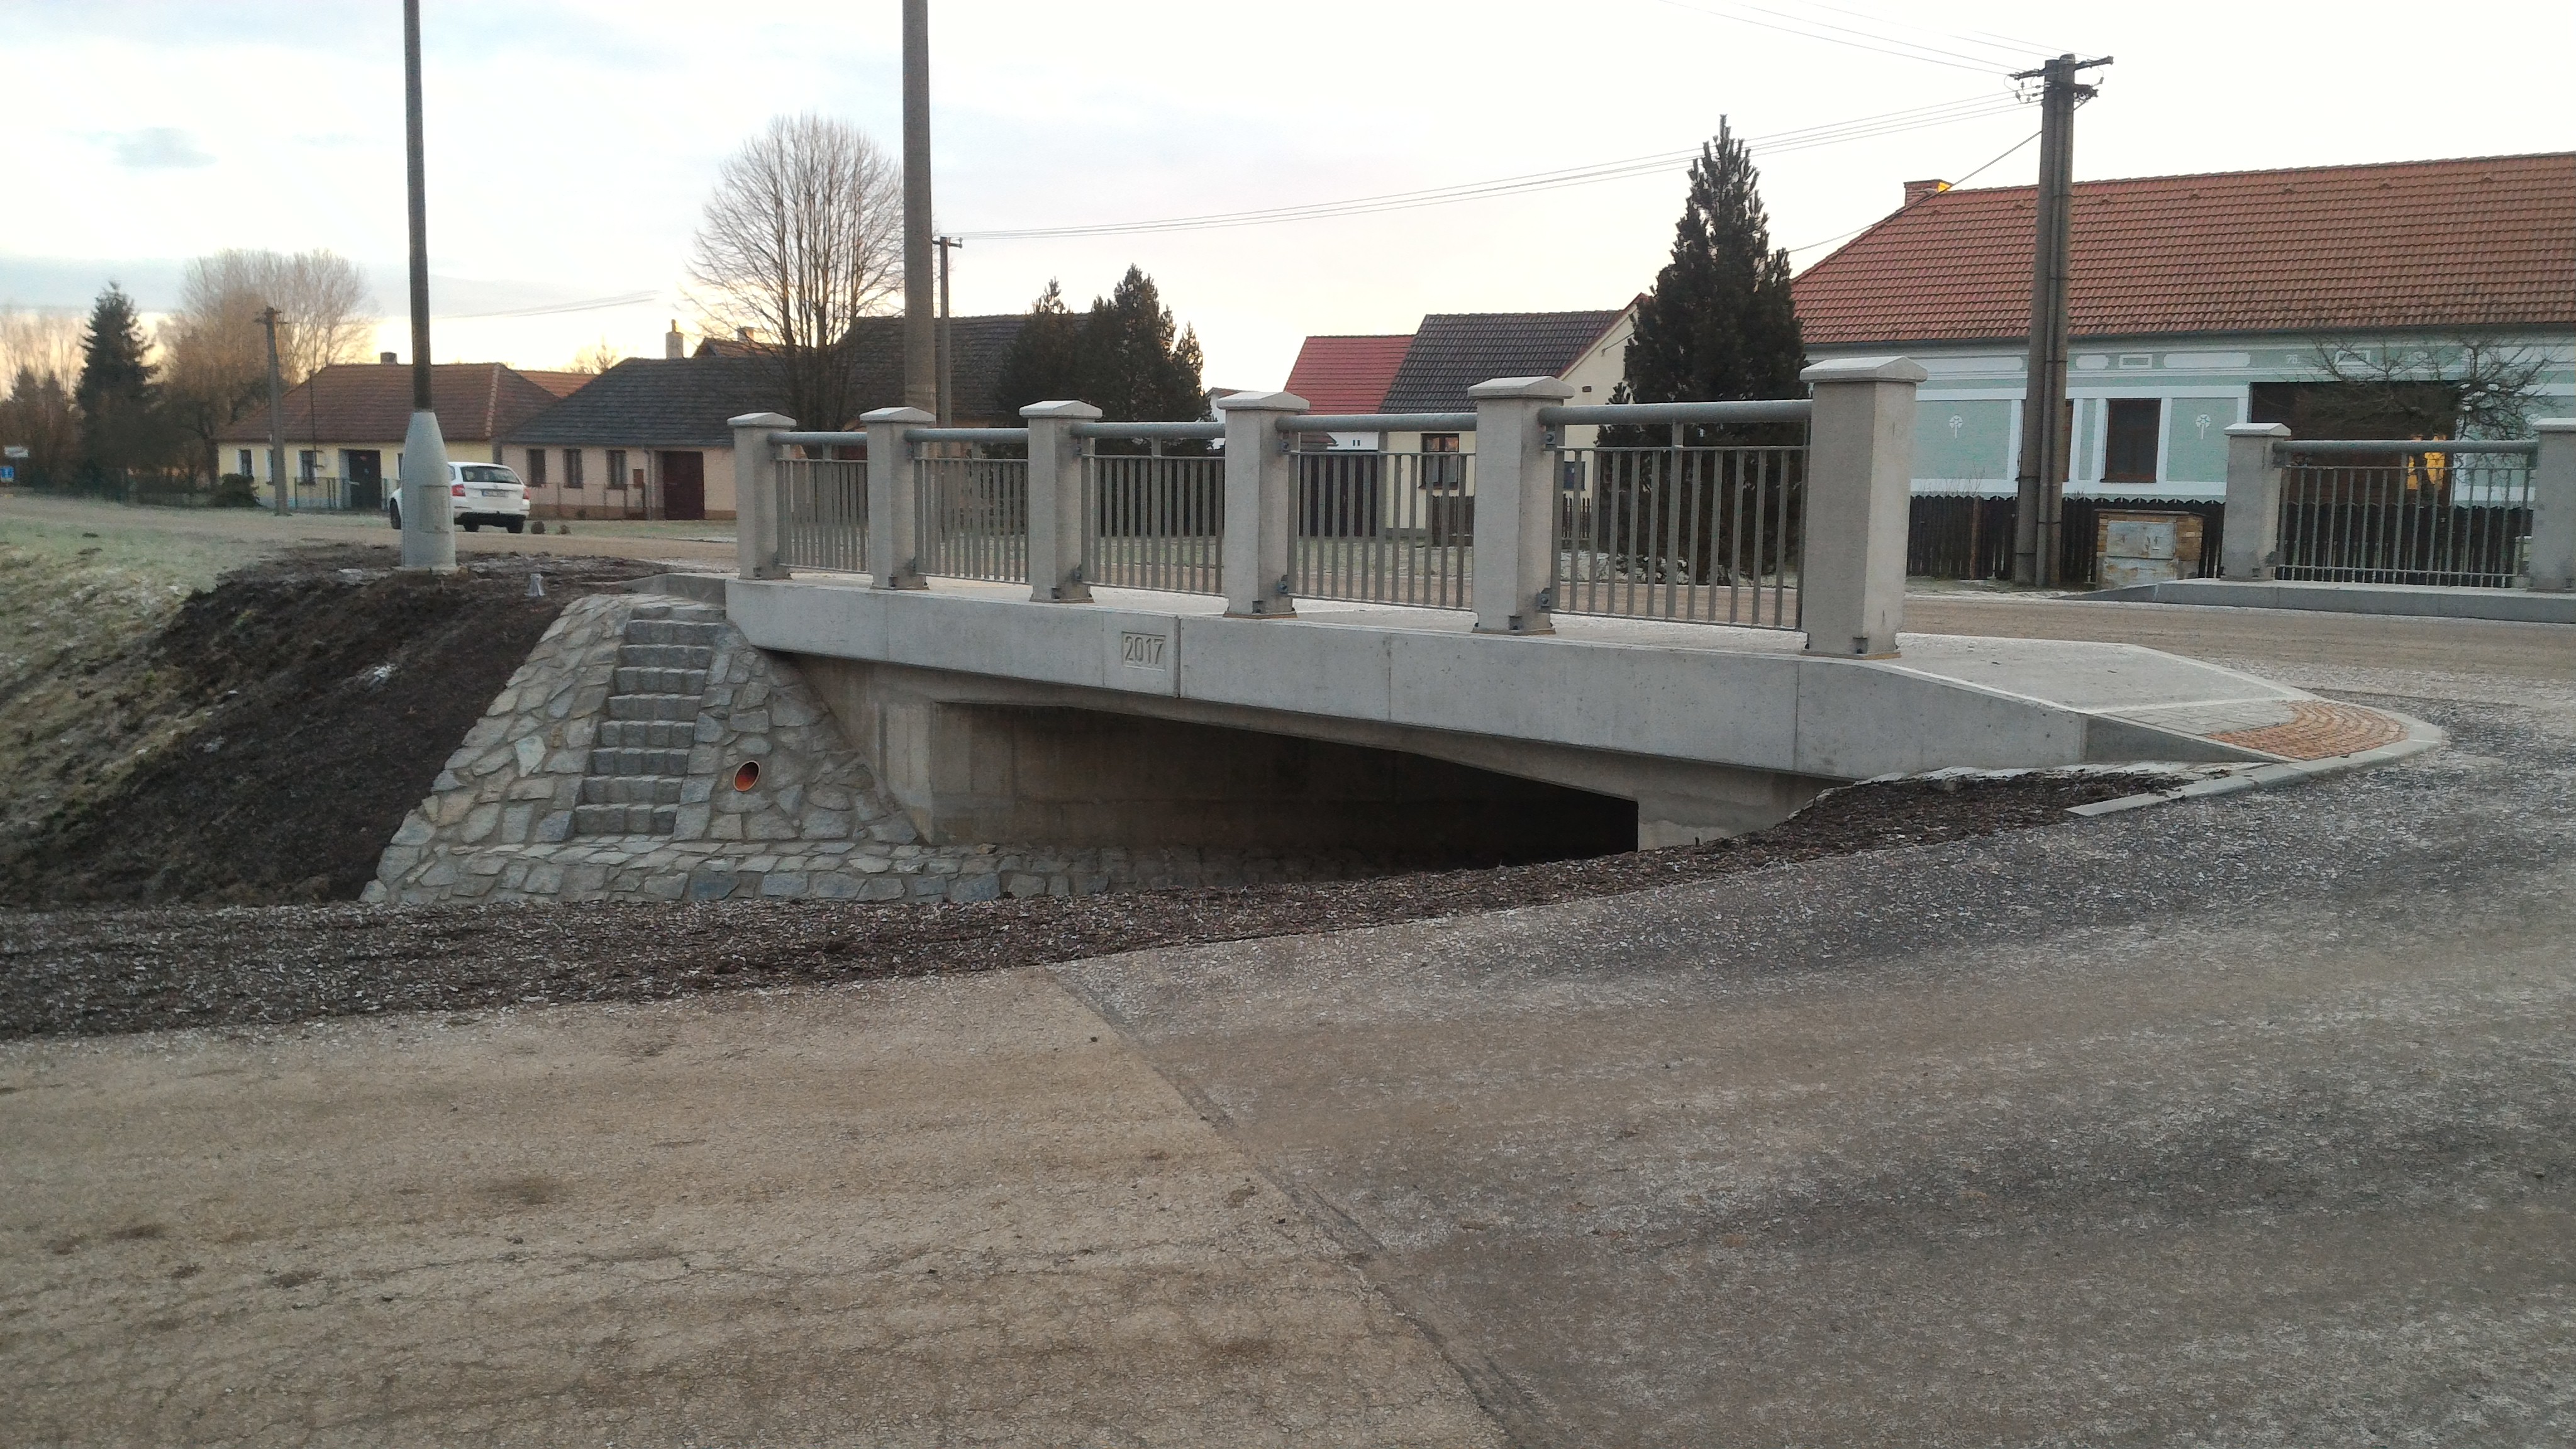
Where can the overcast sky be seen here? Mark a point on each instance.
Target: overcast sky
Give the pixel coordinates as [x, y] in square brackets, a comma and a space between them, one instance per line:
[572, 142]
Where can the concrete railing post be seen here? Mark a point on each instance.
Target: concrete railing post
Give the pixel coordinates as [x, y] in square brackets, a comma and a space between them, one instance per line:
[756, 504]
[2553, 508]
[894, 504]
[1055, 501]
[1860, 490]
[1257, 552]
[2250, 530]
[1515, 504]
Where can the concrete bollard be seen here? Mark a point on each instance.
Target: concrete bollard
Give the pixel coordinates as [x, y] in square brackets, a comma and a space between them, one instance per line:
[1257, 552]
[2250, 530]
[1860, 492]
[1515, 504]
[894, 503]
[756, 505]
[2553, 508]
[1055, 501]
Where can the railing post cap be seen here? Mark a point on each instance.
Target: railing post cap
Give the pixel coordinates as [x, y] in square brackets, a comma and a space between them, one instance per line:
[2258, 430]
[1261, 402]
[1553, 388]
[882, 416]
[1863, 369]
[2554, 425]
[1074, 408]
[761, 420]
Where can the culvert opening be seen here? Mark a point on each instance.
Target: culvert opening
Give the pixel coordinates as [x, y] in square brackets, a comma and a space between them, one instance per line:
[746, 775]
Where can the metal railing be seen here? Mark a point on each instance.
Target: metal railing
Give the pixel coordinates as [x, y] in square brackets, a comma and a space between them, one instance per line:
[973, 507]
[1713, 535]
[2405, 512]
[823, 513]
[1387, 526]
[1153, 519]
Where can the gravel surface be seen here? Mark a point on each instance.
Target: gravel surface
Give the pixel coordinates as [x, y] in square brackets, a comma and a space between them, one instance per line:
[89, 972]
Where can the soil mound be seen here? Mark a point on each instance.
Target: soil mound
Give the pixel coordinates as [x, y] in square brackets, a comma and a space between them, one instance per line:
[322, 692]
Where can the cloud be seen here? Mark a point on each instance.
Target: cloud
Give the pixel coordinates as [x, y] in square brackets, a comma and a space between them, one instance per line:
[158, 148]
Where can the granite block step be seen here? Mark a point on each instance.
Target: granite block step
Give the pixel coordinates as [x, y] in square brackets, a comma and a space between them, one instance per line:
[630, 790]
[653, 706]
[661, 681]
[625, 819]
[653, 734]
[638, 762]
[666, 656]
[672, 631]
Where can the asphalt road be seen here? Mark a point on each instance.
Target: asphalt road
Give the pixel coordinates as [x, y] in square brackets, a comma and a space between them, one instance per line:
[2240, 1122]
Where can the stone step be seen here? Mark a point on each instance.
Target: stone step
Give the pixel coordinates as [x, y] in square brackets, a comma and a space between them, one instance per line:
[625, 819]
[692, 682]
[648, 734]
[672, 631]
[665, 656]
[630, 790]
[674, 609]
[639, 762]
[653, 706]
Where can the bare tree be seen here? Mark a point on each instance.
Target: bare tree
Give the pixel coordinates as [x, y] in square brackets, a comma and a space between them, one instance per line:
[44, 342]
[599, 356]
[801, 239]
[40, 360]
[214, 354]
[2459, 385]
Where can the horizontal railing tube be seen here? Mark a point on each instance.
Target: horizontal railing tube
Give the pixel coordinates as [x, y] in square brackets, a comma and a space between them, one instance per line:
[1207, 432]
[1381, 423]
[1767, 410]
[2320, 447]
[795, 439]
[966, 435]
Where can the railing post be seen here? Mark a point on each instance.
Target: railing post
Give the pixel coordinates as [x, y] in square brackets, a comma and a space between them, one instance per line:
[756, 507]
[1515, 504]
[2250, 530]
[1257, 552]
[1055, 501]
[2553, 507]
[1860, 489]
[894, 510]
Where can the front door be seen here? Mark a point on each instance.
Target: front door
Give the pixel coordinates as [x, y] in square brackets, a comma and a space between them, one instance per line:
[684, 485]
[365, 470]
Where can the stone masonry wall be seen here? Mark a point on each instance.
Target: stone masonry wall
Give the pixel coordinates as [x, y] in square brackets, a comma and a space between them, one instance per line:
[503, 821]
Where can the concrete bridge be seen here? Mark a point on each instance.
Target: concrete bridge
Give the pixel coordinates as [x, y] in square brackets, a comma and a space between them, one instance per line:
[1741, 647]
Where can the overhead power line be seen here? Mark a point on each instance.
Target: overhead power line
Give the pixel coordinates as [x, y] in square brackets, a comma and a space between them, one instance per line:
[1833, 133]
[595, 304]
[1877, 42]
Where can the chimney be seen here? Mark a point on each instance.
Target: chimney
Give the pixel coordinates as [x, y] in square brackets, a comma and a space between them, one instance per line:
[386, 358]
[673, 344]
[1917, 190]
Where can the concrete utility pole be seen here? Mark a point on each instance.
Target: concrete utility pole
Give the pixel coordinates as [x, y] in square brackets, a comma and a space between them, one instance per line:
[2041, 478]
[947, 337]
[276, 414]
[428, 529]
[920, 340]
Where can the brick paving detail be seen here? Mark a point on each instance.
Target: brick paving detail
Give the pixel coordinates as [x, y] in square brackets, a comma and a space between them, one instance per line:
[2319, 729]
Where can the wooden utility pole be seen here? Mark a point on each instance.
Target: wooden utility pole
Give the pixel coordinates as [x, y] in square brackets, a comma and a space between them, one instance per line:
[947, 408]
[920, 339]
[276, 414]
[2041, 478]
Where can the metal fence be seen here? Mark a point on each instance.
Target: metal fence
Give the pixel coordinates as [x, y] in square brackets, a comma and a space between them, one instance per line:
[2368, 513]
[1389, 527]
[823, 513]
[1710, 535]
[974, 515]
[1153, 520]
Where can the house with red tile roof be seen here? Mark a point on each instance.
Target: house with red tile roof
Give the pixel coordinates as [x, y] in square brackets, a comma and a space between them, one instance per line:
[2199, 301]
[344, 425]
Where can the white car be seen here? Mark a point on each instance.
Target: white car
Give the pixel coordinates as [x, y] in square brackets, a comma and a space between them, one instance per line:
[477, 494]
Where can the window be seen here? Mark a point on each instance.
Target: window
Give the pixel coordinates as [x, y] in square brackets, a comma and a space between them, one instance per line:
[572, 468]
[616, 468]
[2129, 445]
[484, 473]
[1442, 466]
[306, 460]
[244, 469]
[536, 467]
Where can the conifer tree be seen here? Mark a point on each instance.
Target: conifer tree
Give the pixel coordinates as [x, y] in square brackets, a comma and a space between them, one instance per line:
[1045, 360]
[1133, 368]
[1719, 324]
[114, 395]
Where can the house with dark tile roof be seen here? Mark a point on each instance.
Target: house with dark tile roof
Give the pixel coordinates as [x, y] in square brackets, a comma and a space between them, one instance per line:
[649, 438]
[344, 425]
[2197, 302]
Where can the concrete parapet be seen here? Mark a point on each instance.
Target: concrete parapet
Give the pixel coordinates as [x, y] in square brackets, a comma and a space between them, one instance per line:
[1860, 479]
[1516, 497]
[894, 505]
[755, 491]
[2553, 508]
[2251, 541]
[1055, 501]
[1260, 506]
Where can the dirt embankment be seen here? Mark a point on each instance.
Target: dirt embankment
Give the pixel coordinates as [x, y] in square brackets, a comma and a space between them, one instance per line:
[264, 742]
